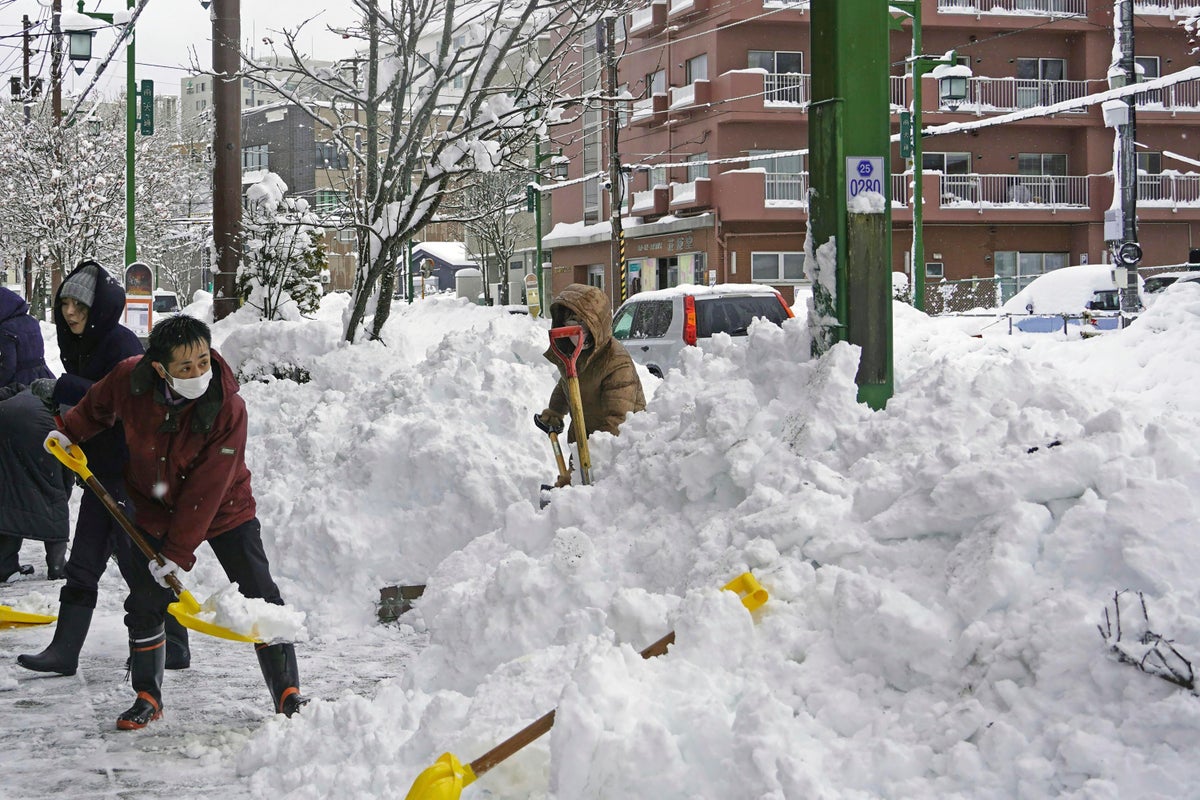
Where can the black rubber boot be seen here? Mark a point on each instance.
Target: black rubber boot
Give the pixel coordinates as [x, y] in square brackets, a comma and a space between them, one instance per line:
[147, 654]
[62, 654]
[56, 561]
[179, 654]
[278, 663]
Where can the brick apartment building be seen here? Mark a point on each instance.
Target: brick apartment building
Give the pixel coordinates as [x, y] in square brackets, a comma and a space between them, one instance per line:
[729, 80]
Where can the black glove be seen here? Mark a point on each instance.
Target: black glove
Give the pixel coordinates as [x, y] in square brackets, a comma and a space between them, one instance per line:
[549, 421]
[43, 389]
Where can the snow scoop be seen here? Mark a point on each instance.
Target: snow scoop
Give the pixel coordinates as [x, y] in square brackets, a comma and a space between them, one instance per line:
[447, 777]
[186, 607]
[567, 344]
[11, 618]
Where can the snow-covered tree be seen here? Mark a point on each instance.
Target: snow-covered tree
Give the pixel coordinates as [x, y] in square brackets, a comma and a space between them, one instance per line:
[446, 89]
[62, 191]
[283, 252]
[492, 213]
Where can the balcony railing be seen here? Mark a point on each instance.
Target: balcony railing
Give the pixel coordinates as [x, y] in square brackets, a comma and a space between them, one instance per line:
[901, 189]
[1168, 190]
[1041, 8]
[1170, 8]
[1009, 191]
[1175, 98]
[786, 188]
[1013, 94]
[787, 87]
[899, 91]
[642, 109]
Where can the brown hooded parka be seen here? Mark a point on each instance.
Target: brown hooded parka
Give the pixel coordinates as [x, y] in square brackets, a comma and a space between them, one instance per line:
[608, 382]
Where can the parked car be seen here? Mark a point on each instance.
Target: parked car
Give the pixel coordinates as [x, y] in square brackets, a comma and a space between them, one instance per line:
[166, 303]
[656, 326]
[1157, 283]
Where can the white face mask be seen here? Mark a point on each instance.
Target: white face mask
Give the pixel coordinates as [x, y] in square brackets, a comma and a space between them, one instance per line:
[190, 388]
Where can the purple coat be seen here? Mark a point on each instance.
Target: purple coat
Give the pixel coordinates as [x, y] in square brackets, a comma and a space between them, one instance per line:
[22, 353]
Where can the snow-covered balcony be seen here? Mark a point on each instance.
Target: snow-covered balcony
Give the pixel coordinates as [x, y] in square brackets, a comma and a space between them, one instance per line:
[649, 110]
[1174, 99]
[787, 88]
[1035, 8]
[652, 202]
[694, 194]
[679, 8]
[697, 93]
[649, 20]
[1036, 192]
[1169, 8]
[1169, 190]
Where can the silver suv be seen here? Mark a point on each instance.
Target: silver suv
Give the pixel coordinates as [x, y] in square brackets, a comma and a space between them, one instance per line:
[656, 326]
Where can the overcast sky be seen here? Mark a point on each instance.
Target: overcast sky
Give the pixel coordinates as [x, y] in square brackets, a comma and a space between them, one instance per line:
[170, 34]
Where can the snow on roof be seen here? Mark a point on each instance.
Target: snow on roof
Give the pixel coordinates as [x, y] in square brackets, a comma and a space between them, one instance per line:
[453, 253]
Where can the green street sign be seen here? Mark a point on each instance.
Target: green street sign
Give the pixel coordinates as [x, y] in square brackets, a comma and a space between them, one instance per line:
[530, 198]
[906, 148]
[147, 116]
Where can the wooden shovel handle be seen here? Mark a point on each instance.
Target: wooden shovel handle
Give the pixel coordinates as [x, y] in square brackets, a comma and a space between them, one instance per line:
[544, 723]
[138, 537]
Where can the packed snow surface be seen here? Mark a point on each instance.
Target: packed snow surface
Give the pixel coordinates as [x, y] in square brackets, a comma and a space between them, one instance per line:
[938, 570]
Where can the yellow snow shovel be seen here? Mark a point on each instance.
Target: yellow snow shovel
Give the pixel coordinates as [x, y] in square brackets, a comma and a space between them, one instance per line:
[11, 618]
[567, 344]
[445, 779]
[186, 607]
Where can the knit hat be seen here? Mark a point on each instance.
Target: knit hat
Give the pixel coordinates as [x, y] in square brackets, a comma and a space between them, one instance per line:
[81, 285]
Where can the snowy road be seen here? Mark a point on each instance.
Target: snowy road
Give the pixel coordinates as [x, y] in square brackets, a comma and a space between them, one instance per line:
[59, 737]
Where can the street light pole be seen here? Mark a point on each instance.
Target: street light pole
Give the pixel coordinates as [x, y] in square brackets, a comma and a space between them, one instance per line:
[131, 119]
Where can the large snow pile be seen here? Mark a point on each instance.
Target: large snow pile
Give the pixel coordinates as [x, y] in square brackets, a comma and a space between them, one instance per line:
[937, 570]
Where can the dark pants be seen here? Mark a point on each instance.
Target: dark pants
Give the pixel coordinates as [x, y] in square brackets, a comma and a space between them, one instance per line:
[97, 536]
[241, 555]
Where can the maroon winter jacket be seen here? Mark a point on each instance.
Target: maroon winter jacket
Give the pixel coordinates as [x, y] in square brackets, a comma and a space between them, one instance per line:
[187, 472]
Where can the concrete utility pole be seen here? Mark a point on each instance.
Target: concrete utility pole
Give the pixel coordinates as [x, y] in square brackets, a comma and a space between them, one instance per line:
[850, 207]
[616, 194]
[26, 52]
[1128, 162]
[227, 154]
[56, 51]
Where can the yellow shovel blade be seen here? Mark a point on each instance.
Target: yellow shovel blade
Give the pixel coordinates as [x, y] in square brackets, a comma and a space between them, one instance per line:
[185, 610]
[747, 587]
[444, 780]
[11, 618]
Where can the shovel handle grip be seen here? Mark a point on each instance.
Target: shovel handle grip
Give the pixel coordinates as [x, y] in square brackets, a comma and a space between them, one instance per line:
[567, 333]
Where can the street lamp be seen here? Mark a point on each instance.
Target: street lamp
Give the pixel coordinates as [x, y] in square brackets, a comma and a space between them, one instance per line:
[559, 170]
[80, 53]
[952, 90]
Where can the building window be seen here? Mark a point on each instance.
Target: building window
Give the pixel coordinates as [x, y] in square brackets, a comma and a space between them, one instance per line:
[347, 235]
[255, 157]
[329, 156]
[697, 68]
[656, 83]
[935, 270]
[782, 83]
[459, 43]
[776, 267]
[1015, 269]
[695, 168]
[596, 276]
[1150, 182]
[658, 176]
[1039, 81]
[1147, 70]
[946, 163]
[329, 201]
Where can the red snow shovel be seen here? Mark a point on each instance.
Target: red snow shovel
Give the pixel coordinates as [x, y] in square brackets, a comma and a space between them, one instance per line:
[448, 775]
[186, 607]
[567, 344]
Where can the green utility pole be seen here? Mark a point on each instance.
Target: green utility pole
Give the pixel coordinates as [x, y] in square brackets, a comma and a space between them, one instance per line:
[131, 120]
[850, 213]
